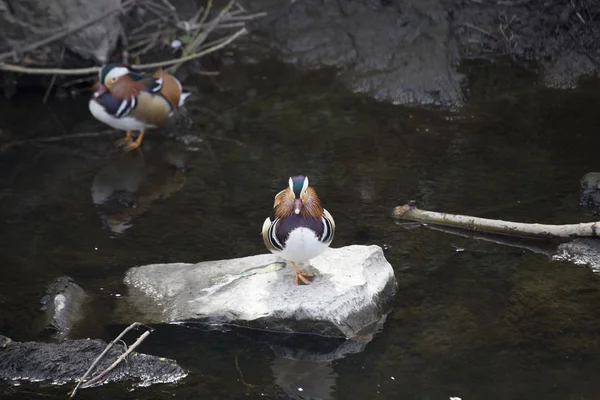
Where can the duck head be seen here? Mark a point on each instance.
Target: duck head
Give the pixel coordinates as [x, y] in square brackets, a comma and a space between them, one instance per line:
[298, 198]
[298, 186]
[109, 74]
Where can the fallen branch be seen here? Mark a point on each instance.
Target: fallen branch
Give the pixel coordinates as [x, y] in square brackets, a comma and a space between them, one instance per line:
[94, 70]
[117, 361]
[411, 212]
[216, 47]
[110, 345]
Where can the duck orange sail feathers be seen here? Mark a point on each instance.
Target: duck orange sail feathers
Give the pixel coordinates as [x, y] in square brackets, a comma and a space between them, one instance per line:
[129, 100]
[299, 228]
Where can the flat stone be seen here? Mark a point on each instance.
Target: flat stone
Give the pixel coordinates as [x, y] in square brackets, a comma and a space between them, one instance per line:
[349, 296]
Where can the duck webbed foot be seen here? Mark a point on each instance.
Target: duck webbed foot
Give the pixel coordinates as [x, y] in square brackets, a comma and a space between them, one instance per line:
[134, 144]
[302, 275]
[124, 141]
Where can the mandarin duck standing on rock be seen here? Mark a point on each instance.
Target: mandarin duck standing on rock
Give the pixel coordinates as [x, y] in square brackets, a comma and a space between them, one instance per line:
[128, 100]
[299, 228]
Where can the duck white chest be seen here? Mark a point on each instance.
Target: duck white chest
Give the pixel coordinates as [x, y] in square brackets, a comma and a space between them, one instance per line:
[302, 245]
[126, 123]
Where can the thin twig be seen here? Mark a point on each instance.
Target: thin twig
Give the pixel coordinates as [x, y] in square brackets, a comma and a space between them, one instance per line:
[48, 71]
[169, 5]
[248, 17]
[124, 47]
[224, 43]
[191, 47]
[205, 15]
[230, 25]
[142, 27]
[77, 81]
[53, 80]
[160, 13]
[63, 33]
[94, 70]
[117, 361]
[111, 344]
[150, 45]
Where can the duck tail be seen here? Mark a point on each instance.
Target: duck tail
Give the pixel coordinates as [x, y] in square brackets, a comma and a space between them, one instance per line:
[183, 98]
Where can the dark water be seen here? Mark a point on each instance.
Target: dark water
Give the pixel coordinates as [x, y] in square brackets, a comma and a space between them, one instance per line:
[491, 322]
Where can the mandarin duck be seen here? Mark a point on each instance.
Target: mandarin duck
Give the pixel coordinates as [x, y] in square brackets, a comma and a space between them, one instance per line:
[129, 100]
[299, 228]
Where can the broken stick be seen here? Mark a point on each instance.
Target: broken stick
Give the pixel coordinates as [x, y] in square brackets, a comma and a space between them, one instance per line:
[412, 213]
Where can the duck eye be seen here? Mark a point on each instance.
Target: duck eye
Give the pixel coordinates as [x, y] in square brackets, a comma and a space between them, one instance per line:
[114, 78]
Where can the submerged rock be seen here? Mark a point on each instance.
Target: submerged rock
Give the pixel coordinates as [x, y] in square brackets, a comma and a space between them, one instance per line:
[589, 195]
[349, 296]
[64, 362]
[62, 306]
[582, 251]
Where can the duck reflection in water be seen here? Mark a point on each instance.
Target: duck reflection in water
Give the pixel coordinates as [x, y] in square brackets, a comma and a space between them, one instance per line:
[131, 182]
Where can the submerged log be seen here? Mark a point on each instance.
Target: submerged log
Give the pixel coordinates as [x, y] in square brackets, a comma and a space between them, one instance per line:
[410, 212]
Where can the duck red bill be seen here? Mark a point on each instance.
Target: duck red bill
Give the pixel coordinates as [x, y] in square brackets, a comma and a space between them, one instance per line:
[297, 205]
[100, 90]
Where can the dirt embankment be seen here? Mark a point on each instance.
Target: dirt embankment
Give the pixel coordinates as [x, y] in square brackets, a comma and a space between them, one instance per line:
[402, 51]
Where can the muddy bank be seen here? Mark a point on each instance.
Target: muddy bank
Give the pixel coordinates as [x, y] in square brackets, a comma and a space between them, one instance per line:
[401, 51]
[408, 51]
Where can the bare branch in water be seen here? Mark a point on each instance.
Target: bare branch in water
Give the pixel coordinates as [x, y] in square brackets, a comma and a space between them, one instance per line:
[412, 213]
[113, 365]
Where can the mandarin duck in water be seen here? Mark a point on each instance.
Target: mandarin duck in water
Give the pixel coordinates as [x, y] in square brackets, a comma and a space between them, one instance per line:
[299, 228]
[128, 100]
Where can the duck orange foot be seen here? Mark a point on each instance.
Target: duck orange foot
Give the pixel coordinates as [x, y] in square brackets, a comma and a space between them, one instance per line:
[128, 143]
[124, 141]
[302, 275]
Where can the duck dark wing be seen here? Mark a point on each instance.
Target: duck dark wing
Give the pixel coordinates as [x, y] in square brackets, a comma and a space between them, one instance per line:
[270, 236]
[116, 107]
[294, 221]
[329, 227]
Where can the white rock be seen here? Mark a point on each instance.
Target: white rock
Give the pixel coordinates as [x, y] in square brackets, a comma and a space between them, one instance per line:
[350, 294]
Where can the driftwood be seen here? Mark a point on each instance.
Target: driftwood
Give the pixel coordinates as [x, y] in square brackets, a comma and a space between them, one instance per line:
[411, 213]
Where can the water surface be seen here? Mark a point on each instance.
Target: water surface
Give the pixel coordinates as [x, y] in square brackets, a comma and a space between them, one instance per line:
[488, 321]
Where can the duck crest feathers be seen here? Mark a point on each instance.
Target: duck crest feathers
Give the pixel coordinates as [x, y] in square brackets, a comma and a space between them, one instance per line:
[283, 205]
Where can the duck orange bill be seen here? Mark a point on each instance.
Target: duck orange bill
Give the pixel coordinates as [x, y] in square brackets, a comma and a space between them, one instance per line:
[100, 90]
[297, 206]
